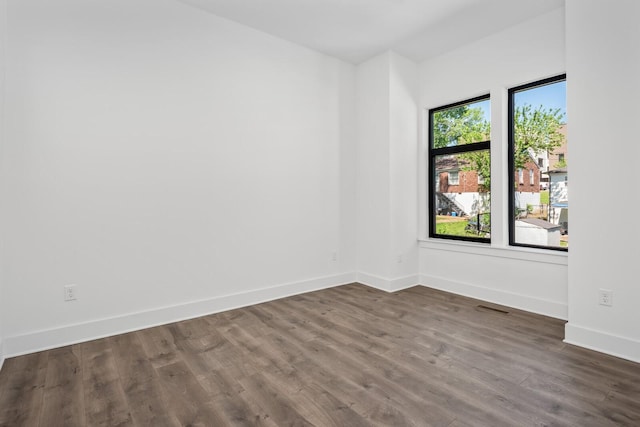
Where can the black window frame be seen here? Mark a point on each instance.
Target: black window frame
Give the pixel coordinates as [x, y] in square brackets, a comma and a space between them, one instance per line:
[457, 149]
[511, 161]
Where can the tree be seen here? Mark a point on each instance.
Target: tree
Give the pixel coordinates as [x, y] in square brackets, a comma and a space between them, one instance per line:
[464, 125]
[458, 126]
[535, 131]
[561, 164]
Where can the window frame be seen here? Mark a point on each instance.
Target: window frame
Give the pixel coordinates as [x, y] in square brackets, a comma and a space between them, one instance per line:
[432, 153]
[451, 180]
[511, 162]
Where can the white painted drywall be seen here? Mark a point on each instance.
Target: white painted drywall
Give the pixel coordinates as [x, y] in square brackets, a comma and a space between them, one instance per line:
[159, 157]
[526, 279]
[603, 65]
[348, 173]
[373, 186]
[387, 180]
[3, 17]
[403, 149]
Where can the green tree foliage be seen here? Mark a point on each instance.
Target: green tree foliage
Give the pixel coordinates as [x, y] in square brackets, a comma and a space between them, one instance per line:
[464, 125]
[561, 164]
[480, 161]
[459, 125]
[535, 131]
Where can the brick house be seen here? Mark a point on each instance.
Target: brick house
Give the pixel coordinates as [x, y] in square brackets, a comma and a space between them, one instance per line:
[459, 191]
[527, 185]
[552, 160]
[462, 192]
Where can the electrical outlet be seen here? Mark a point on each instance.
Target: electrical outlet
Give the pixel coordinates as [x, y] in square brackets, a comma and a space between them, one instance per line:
[70, 293]
[334, 256]
[605, 297]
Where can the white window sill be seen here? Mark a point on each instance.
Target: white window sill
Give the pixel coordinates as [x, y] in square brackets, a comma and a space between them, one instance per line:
[483, 249]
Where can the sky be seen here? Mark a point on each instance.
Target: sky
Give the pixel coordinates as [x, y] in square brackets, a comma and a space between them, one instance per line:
[549, 96]
[486, 109]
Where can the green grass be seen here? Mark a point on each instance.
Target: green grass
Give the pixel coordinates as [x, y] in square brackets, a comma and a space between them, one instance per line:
[452, 228]
[544, 197]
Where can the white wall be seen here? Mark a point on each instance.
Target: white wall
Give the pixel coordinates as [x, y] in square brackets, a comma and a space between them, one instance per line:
[373, 186]
[387, 181]
[403, 148]
[3, 16]
[169, 163]
[603, 65]
[528, 279]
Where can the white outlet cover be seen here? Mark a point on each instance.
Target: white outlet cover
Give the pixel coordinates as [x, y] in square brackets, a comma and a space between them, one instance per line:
[605, 297]
[70, 293]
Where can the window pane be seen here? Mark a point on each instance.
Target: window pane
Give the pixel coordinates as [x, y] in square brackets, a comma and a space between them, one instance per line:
[462, 124]
[463, 205]
[459, 168]
[538, 144]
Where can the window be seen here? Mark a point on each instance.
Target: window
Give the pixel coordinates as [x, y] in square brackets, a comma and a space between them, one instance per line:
[537, 129]
[454, 178]
[459, 154]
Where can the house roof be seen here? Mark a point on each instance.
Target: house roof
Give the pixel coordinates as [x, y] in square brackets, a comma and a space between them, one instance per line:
[449, 163]
[540, 223]
[559, 170]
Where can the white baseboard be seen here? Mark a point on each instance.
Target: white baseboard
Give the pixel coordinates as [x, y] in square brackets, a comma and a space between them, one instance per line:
[622, 347]
[388, 285]
[497, 296]
[86, 331]
[625, 348]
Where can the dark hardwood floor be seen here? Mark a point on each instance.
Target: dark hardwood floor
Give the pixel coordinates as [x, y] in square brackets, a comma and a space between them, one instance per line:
[347, 356]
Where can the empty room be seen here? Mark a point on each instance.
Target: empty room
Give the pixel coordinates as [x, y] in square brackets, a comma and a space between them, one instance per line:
[319, 212]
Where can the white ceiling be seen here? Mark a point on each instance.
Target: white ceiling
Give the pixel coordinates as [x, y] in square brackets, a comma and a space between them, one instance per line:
[355, 30]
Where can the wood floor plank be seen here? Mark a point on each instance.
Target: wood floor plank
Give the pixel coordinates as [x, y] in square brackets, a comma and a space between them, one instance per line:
[325, 409]
[345, 356]
[23, 385]
[231, 400]
[285, 378]
[63, 400]
[407, 377]
[159, 345]
[105, 399]
[140, 381]
[189, 402]
[366, 357]
[368, 386]
[278, 406]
